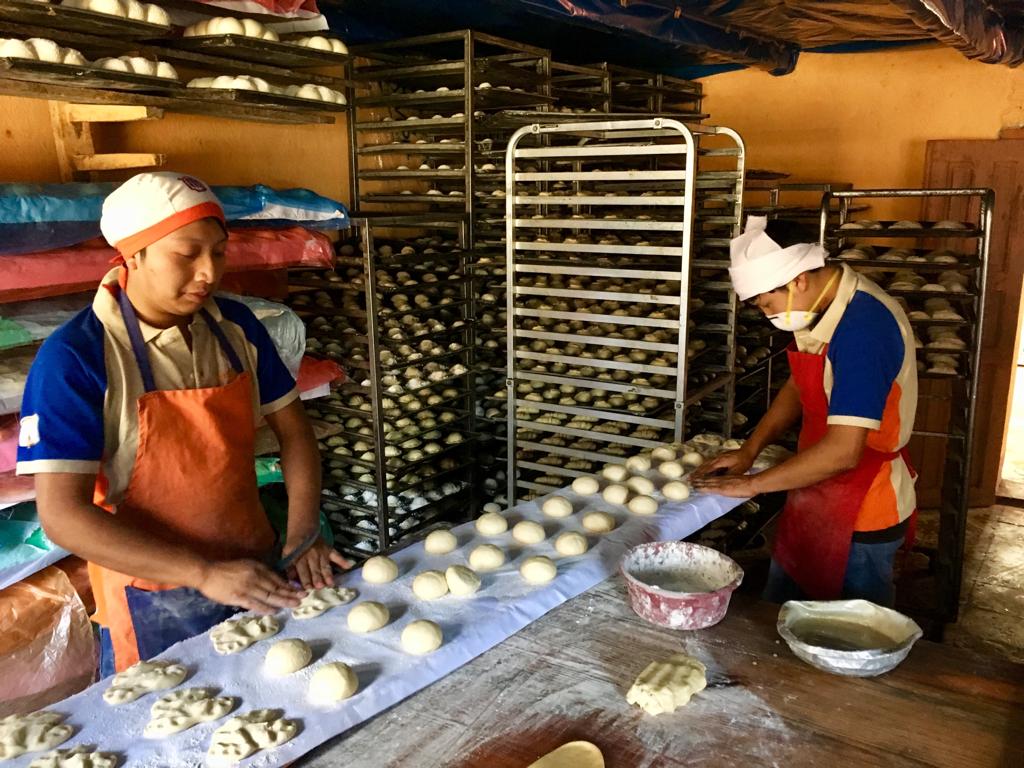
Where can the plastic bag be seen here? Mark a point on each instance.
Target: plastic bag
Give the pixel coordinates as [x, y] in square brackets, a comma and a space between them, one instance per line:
[286, 329]
[47, 650]
[25, 322]
[285, 8]
[9, 429]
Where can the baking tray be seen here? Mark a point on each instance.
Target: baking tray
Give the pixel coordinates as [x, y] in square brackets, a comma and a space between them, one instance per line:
[77, 20]
[887, 231]
[483, 99]
[282, 54]
[35, 71]
[260, 99]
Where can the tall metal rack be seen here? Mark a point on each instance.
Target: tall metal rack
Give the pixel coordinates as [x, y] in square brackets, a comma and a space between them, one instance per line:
[397, 309]
[942, 285]
[598, 256]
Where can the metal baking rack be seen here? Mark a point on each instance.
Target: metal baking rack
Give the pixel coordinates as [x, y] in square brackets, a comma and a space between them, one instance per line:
[396, 310]
[649, 93]
[581, 89]
[949, 423]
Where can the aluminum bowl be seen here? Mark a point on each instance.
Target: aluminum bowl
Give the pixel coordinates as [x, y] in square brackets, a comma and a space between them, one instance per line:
[901, 630]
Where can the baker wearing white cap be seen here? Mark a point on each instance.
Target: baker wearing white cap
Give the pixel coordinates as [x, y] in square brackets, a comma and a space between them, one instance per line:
[145, 406]
[853, 386]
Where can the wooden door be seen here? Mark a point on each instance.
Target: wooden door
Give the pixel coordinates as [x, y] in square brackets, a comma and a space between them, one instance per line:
[997, 164]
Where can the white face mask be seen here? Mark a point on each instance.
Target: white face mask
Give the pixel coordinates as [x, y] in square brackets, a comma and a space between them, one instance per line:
[798, 320]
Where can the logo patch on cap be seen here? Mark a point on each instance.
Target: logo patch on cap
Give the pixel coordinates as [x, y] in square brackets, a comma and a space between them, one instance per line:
[192, 183]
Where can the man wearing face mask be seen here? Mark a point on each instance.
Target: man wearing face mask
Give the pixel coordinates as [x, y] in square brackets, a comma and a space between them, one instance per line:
[853, 383]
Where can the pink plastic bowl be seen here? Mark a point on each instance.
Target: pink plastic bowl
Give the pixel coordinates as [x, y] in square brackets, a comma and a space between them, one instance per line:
[680, 585]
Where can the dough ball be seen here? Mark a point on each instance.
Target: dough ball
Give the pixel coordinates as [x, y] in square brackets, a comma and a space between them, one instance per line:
[528, 532]
[368, 617]
[640, 485]
[287, 656]
[615, 472]
[692, 459]
[538, 569]
[671, 469]
[663, 453]
[615, 494]
[486, 557]
[492, 507]
[598, 522]
[421, 637]
[440, 542]
[640, 463]
[491, 524]
[676, 491]
[380, 570]
[643, 505]
[461, 580]
[585, 485]
[430, 585]
[559, 506]
[332, 682]
[571, 543]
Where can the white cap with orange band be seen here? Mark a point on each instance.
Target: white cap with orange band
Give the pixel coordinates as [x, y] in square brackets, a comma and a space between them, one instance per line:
[150, 206]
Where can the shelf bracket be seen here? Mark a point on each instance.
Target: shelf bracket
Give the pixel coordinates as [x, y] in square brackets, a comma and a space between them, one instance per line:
[77, 158]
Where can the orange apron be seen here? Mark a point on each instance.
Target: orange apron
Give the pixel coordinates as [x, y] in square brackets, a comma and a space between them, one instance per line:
[194, 483]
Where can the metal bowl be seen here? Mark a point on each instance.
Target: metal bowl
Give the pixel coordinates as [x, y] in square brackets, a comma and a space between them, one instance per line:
[680, 585]
[888, 635]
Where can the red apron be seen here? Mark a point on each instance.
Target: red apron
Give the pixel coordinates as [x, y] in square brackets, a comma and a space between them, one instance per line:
[812, 543]
[193, 481]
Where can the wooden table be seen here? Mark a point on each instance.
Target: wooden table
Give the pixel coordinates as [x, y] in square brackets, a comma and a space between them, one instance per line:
[565, 677]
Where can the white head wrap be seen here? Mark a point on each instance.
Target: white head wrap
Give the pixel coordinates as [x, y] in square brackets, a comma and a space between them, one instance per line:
[758, 264]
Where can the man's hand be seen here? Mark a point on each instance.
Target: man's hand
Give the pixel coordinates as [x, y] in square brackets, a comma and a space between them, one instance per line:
[741, 487]
[249, 584]
[312, 569]
[733, 462]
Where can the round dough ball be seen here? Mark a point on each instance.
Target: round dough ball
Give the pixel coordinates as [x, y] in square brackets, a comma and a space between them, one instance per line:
[556, 506]
[380, 570]
[571, 543]
[491, 524]
[676, 491]
[643, 505]
[585, 486]
[430, 585]
[368, 617]
[461, 580]
[486, 557]
[492, 507]
[615, 472]
[421, 637]
[538, 569]
[287, 656]
[528, 532]
[641, 485]
[692, 459]
[663, 453]
[598, 522]
[440, 542]
[671, 469]
[615, 494]
[332, 682]
[640, 463]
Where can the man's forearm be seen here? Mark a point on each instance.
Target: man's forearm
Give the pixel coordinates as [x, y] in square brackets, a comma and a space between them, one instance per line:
[782, 414]
[300, 465]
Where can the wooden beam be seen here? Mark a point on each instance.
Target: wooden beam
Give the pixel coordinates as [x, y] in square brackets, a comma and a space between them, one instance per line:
[118, 161]
[70, 140]
[98, 113]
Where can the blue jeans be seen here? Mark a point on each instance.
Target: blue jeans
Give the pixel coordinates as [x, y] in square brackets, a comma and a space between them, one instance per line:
[868, 576]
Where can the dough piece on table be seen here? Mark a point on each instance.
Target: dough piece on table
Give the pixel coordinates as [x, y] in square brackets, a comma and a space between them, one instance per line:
[486, 557]
[671, 469]
[663, 453]
[247, 734]
[692, 459]
[615, 472]
[640, 463]
[559, 506]
[640, 485]
[575, 754]
[643, 505]
[615, 494]
[528, 532]
[571, 543]
[332, 682]
[380, 570]
[585, 486]
[180, 710]
[461, 580]
[319, 601]
[538, 569]
[492, 507]
[287, 656]
[676, 491]
[421, 637]
[76, 757]
[440, 542]
[33, 732]
[142, 678]
[598, 522]
[368, 617]
[491, 524]
[665, 685]
[430, 585]
[236, 635]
